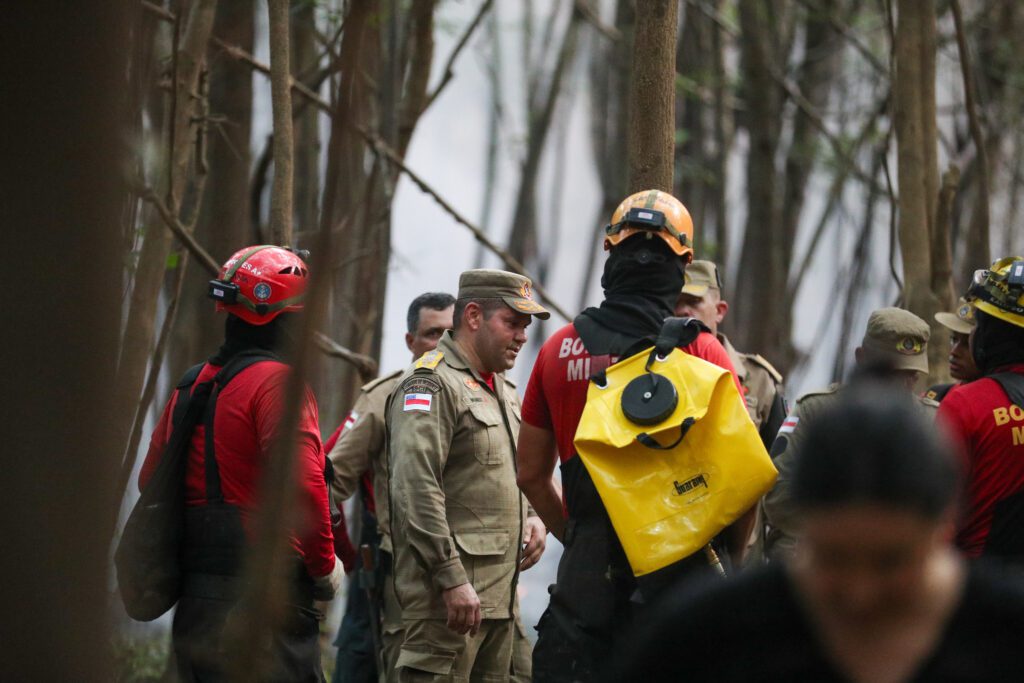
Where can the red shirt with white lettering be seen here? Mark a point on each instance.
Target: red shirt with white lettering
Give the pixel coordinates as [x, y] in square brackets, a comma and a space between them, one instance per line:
[990, 431]
[249, 410]
[557, 390]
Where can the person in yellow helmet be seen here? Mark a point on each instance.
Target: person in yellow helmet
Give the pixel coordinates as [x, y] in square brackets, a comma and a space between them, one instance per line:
[596, 596]
[987, 417]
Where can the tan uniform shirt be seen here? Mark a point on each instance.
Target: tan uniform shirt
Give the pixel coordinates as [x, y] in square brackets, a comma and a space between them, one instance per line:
[457, 513]
[761, 382]
[360, 447]
[781, 516]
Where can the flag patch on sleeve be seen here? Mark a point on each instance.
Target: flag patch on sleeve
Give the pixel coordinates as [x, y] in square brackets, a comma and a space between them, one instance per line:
[350, 420]
[418, 402]
[789, 424]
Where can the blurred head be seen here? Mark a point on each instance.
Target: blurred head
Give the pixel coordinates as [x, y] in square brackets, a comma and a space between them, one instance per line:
[428, 317]
[701, 296]
[876, 488]
[492, 312]
[895, 345]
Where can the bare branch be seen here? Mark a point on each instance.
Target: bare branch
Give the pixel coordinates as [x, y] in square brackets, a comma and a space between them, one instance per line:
[591, 17]
[448, 72]
[844, 30]
[366, 365]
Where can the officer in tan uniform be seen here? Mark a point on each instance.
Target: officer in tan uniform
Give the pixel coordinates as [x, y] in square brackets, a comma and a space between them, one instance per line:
[761, 383]
[701, 298]
[895, 347]
[359, 449]
[460, 527]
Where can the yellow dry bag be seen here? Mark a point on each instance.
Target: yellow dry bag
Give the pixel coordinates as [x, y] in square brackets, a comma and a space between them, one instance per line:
[671, 473]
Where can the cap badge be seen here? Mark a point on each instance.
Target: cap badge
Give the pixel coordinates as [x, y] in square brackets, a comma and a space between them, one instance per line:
[909, 346]
[526, 292]
[966, 312]
[262, 291]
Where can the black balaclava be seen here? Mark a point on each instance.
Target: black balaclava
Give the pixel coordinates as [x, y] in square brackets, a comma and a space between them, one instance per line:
[641, 281]
[242, 336]
[996, 343]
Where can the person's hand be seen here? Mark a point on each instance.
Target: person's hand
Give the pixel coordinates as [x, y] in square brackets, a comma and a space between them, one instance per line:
[534, 541]
[463, 609]
[325, 587]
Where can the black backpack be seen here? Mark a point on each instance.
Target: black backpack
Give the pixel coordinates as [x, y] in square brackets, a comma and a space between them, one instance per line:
[148, 556]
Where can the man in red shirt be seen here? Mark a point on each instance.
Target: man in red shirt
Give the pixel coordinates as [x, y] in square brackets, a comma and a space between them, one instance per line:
[987, 417]
[260, 288]
[596, 596]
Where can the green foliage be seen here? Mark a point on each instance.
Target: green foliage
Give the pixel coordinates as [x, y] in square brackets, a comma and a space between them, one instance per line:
[141, 659]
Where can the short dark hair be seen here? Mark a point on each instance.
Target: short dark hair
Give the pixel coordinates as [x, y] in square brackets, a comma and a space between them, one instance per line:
[435, 301]
[875, 446]
[488, 305]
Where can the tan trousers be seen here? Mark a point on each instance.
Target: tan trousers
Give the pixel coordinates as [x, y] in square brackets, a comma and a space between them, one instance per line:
[431, 651]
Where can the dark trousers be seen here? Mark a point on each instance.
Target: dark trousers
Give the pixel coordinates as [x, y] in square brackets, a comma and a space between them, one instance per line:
[199, 644]
[355, 662]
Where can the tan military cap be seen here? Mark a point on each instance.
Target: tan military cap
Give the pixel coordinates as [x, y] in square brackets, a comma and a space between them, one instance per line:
[962, 321]
[512, 288]
[700, 277]
[898, 336]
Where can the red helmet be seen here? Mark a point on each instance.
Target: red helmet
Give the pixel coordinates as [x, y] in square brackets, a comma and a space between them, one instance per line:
[259, 283]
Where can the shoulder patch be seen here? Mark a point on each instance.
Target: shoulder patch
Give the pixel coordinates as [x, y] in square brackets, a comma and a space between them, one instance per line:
[928, 401]
[429, 360]
[832, 388]
[760, 361]
[421, 384]
[373, 384]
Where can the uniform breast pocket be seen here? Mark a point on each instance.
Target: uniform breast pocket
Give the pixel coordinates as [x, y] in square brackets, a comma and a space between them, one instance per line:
[487, 433]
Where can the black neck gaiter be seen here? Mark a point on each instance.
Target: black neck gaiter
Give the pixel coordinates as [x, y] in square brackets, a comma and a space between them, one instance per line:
[996, 343]
[241, 336]
[641, 281]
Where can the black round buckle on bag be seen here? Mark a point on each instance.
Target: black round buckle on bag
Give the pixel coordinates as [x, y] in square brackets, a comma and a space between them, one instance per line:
[649, 399]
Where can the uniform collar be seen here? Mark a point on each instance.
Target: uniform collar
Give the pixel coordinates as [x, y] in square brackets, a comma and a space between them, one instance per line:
[734, 356]
[454, 358]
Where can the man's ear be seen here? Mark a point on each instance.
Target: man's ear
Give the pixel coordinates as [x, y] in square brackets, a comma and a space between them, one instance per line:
[408, 341]
[858, 355]
[472, 316]
[721, 308]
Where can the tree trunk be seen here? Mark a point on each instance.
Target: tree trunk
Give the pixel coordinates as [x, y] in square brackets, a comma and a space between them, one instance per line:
[652, 101]
[694, 56]
[65, 73]
[139, 329]
[281, 102]
[307, 128]
[224, 225]
[916, 138]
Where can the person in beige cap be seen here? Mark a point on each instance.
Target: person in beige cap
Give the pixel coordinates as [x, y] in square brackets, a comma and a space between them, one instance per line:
[894, 349]
[760, 382]
[962, 367]
[461, 530]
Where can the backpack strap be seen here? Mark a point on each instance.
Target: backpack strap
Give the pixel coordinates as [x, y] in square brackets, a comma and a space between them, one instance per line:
[238, 363]
[1013, 384]
[184, 388]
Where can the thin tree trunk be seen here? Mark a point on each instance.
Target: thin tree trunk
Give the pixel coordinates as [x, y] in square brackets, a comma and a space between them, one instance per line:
[139, 328]
[307, 128]
[281, 103]
[652, 101]
[914, 98]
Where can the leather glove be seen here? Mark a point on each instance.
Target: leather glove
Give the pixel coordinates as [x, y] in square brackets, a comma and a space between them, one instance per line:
[325, 587]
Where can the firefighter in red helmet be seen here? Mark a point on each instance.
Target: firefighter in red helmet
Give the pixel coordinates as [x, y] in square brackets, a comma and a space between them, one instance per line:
[261, 288]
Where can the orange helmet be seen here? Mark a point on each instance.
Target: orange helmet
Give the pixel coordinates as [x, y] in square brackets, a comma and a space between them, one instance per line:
[653, 211]
[259, 283]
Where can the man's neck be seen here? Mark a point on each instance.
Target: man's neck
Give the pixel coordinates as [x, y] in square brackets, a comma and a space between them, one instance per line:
[469, 354]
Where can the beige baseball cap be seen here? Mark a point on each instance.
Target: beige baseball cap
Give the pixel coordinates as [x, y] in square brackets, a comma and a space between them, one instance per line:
[514, 289]
[962, 321]
[700, 277]
[899, 337]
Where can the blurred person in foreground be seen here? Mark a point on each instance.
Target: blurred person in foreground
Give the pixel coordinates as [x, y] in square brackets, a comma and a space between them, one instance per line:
[987, 417]
[876, 591]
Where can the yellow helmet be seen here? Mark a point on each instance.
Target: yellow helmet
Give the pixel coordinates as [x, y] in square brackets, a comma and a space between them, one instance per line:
[999, 290]
[653, 211]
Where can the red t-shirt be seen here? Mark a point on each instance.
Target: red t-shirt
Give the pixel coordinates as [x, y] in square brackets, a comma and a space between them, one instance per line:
[990, 431]
[557, 390]
[248, 412]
